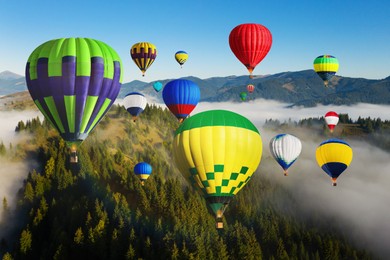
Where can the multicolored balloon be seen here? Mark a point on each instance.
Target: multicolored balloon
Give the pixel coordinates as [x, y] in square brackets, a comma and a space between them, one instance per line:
[217, 151]
[181, 97]
[143, 55]
[250, 43]
[250, 88]
[334, 156]
[326, 67]
[157, 86]
[74, 82]
[243, 96]
[285, 148]
[181, 57]
[331, 119]
[135, 104]
[143, 171]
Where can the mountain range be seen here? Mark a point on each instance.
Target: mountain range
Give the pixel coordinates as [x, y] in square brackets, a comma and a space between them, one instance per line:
[299, 88]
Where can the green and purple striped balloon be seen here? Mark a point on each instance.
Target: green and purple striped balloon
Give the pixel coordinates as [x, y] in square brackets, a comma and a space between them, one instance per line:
[74, 82]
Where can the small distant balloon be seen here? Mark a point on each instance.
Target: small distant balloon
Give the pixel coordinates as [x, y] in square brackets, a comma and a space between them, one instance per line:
[243, 96]
[181, 57]
[143, 171]
[157, 86]
[331, 119]
[250, 88]
[326, 67]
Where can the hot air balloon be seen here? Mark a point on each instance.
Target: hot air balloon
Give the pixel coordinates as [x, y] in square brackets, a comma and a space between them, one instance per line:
[74, 82]
[217, 151]
[285, 148]
[135, 104]
[326, 67]
[143, 54]
[181, 97]
[250, 88]
[334, 156]
[250, 43]
[181, 57]
[143, 171]
[157, 86]
[331, 119]
[243, 96]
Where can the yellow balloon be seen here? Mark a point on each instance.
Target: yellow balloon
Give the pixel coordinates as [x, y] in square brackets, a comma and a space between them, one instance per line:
[181, 57]
[334, 156]
[143, 55]
[217, 151]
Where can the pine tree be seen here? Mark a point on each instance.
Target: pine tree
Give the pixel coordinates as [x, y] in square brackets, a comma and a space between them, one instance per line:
[29, 192]
[25, 241]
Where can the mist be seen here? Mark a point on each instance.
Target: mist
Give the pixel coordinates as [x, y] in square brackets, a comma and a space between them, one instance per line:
[12, 173]
[359, 204]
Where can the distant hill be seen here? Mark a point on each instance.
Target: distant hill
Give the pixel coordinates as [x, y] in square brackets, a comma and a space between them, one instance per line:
[302, 88]
[11, 82]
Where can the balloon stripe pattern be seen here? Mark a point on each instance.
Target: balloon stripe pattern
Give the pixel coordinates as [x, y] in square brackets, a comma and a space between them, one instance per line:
[285, 148]
[326, 66]
[135, 103]
[334, 156]
[218, 151]
[250, 88]
[250, 43]
[74, 81]
[181, 96]
[143, 55]
[243, 96]
[331, 119]
[181, 57]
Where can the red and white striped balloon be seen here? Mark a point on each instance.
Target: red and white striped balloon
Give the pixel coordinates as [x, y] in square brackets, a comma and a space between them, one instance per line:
[250, 88]
[331, 119]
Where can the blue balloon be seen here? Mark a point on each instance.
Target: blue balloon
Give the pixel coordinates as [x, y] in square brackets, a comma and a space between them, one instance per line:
[157, 86]
[143, 171]
[181, 97]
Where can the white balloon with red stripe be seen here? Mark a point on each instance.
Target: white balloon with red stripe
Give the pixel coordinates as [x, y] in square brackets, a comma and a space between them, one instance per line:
[331, 119]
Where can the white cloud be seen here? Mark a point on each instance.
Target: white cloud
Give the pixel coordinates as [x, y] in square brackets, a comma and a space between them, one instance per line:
[12, 173]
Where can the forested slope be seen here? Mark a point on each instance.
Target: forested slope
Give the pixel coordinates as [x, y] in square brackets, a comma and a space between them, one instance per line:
[99, 210]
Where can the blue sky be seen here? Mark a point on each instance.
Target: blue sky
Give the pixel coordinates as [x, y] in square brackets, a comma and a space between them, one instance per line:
[356, 32]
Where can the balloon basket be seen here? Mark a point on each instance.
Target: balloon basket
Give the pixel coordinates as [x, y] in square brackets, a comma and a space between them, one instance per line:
[73, 156]
[219, 223]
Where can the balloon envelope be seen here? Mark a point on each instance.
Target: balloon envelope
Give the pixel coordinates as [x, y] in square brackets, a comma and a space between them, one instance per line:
[250, 88]
[143, 55]
[285, 148]
[135, 103]
[243, 96]
[217, 151]
[326, 67]
[334, 156]
[181, 97]
[331, 119]
[143, 171]
[250, 43]
[74, 82]
[157, 86]
[181, 57]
